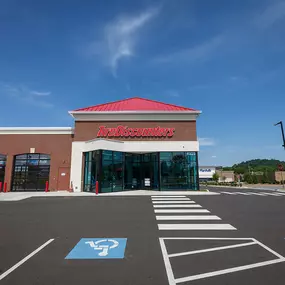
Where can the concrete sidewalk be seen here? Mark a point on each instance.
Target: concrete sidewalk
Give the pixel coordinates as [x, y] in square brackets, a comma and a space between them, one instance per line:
[18, 196]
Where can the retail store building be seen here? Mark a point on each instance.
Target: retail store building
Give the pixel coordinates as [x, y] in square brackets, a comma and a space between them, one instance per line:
[130, 144]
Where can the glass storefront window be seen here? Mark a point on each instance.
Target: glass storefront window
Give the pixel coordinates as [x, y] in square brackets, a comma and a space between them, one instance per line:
[2, 167]
[30, 172]
[118, 171]
[178, 171]
[91, 162]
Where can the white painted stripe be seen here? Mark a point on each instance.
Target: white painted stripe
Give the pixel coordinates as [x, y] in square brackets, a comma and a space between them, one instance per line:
[211, 249]
[169, 272]
[243, 193]
[230, 193]
[272, 194]
[226, 271]
[170, 199]
[168, 196]
[269, 249]
[187, 218]
[177, 206]
[195, 227]
[181, 211]
[25, 259]
[280, 193]
[207, 238]
[258, 194]
[173, 202]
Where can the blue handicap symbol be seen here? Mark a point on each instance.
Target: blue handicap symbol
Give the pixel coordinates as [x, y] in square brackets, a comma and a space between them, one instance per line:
[98, 248]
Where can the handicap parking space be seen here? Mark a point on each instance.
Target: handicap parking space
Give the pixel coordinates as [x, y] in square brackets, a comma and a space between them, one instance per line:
[123, 231]
[141, 264]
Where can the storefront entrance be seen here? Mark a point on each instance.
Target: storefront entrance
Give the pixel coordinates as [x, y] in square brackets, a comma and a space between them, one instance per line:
[141, 171]
[118, 171]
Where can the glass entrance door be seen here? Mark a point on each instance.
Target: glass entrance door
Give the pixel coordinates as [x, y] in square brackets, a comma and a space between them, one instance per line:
[141, 171]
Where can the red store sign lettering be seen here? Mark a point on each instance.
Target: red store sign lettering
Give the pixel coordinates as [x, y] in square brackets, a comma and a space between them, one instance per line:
[124, 131]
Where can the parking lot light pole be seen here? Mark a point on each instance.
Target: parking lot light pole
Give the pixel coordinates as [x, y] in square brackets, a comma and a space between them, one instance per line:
[282, 131]
[283, 137]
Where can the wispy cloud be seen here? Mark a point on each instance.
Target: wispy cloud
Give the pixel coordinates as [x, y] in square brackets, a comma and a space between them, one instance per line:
[121, 38]
[206, 141]
[214, 156]
[198, 52]
[37, 93]
[271, 14]
[25, 94]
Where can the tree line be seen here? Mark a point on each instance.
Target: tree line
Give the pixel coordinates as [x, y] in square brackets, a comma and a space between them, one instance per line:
[257, 170]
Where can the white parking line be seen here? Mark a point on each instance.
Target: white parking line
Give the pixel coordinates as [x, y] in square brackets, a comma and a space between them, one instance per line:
[177, 206]
[170, 199]
[187, 218]
[272, 194]
[195, 227]
[181, 211]
[251, 241]
[25, 259]
[173, 202]
[211, 249]
[226, 271]
[258, 194]
[168, 196]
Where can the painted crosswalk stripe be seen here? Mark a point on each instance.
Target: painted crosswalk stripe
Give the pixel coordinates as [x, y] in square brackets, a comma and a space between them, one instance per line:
[258, 194]
[177, 206]
[173, 202]
[180, 211]
[271, 194]
[242, 193]
[170, 199]
[280, 193]
[230, 193]
[187, 218]
[195, 227]
[168, 196]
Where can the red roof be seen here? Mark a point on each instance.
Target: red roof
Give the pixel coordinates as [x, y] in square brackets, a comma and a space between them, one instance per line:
[134, 104]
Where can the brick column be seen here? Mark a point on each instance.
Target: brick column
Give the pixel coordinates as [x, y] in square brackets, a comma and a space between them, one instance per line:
[8, 171]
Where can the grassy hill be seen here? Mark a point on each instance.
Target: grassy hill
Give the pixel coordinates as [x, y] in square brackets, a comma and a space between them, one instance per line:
[256, 165]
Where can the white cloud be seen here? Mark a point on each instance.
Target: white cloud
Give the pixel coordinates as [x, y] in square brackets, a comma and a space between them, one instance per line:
[24, 94]
[198, 52]
[38, 93]
[206, 141]
[271, 15]
[121, 38]
[214, 156]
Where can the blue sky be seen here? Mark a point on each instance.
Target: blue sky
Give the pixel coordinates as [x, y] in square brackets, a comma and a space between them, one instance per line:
[226, 58]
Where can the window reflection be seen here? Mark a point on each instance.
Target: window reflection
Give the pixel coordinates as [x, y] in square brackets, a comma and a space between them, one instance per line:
[117, 171]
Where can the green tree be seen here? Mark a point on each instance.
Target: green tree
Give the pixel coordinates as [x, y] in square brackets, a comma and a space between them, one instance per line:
[248, 178]
[265, 178]
[254, 179]
[216, 177]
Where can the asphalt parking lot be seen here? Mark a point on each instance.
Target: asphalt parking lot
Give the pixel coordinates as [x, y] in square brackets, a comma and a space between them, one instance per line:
[221, 239]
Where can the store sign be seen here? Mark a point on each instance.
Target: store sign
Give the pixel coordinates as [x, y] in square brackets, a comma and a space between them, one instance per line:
[205, 170]
[124, 131]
